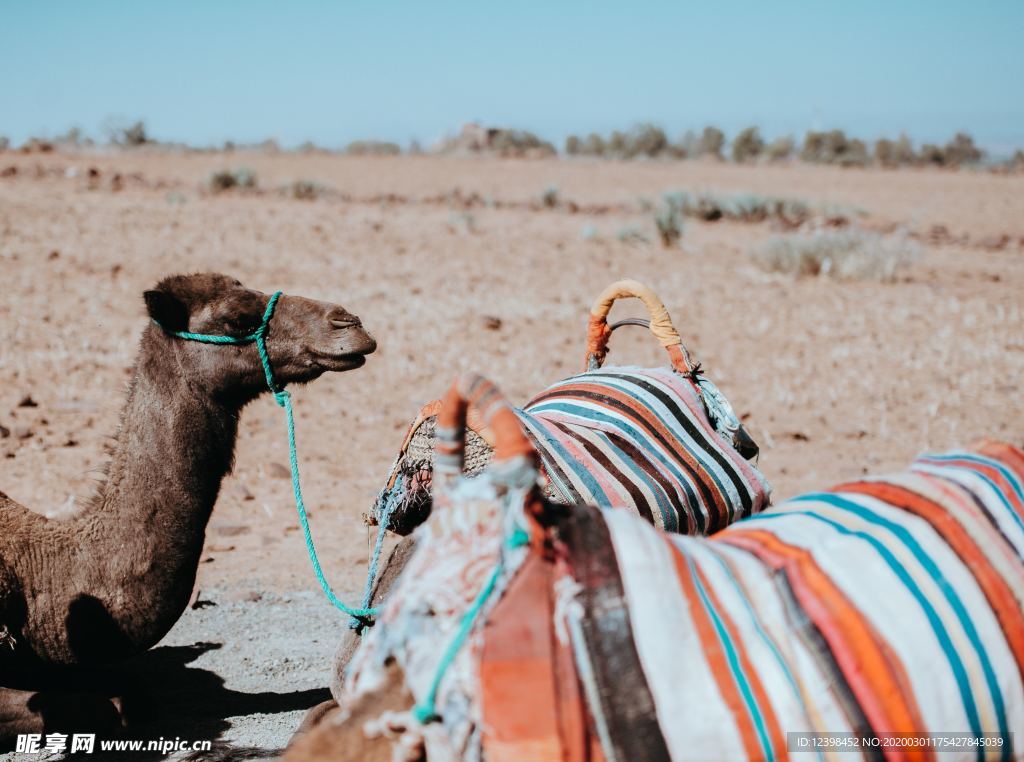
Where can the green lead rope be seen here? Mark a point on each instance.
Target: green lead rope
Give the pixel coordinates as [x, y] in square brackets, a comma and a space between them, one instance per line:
[362, 615]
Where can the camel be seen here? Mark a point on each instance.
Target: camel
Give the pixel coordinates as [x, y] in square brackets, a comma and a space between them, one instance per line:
[884, 614]
[110, 581]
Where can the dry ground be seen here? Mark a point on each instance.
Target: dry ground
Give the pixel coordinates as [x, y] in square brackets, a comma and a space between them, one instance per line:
[834, 379]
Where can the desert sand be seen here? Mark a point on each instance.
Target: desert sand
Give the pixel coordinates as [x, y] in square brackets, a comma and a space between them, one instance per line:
[834, 379]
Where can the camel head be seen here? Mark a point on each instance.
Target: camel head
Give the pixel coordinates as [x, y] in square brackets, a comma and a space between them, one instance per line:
[305, 339]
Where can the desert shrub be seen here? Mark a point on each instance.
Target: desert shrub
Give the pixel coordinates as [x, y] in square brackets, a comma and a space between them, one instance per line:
[669, 222]
[462, 222]
[519, 142]
[227, 179]
[73, 137]
[305, 190]
[748, 145]
[549, 198]
[616, 145]
[780, 149]
[678, 150]
[372, 148]
[37, 145]
[933, 154]
[895, 153]
[687, 145]
[885, 152]
[854, 154]
[631, 236]
[743, 207]
[5, 143]
[833, 147]
[813, 149]
[594, 145]
[712, 140]
[1017, 162]
[645, 140]
[573, 145]
[132, 135]
[961, 150]
[844, 255]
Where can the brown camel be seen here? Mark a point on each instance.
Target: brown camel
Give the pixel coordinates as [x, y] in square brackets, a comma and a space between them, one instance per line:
[112, 580]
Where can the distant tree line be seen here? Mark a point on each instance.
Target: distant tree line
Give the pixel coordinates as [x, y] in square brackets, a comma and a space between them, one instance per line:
[645, 140]
[828, 147]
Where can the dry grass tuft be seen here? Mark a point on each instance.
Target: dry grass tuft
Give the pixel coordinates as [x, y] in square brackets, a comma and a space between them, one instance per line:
[842, 254]
[228, 179]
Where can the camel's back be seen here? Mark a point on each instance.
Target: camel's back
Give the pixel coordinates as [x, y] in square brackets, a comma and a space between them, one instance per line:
[892, 604]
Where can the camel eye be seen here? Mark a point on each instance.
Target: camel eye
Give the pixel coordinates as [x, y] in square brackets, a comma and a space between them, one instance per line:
[242, 325]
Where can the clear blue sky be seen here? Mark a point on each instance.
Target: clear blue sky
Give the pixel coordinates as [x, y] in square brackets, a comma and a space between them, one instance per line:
[204, 72]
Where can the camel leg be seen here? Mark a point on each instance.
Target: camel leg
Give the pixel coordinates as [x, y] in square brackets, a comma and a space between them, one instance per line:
[55, 712]
[397, 560]
[313, 718]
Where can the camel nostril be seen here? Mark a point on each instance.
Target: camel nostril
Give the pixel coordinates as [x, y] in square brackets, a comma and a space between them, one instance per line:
[339, 318]
[345, 323]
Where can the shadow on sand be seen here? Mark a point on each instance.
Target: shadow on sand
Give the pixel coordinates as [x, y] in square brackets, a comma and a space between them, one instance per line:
[166, 698]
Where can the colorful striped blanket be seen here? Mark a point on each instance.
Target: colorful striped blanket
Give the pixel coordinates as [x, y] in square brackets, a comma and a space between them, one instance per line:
[641, 438]
[635, 438]
[859, 619]
[883, 606]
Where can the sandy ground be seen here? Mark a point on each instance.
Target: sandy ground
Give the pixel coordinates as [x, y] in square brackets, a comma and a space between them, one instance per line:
[833, 379]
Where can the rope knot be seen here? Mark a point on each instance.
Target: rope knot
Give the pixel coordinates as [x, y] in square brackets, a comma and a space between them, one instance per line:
[282, 397]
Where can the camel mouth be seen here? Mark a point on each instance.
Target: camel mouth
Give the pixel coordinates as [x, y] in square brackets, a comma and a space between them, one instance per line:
[337, 362]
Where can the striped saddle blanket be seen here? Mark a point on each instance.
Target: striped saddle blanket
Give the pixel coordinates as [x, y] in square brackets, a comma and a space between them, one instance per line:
[650, 440]
[641, 438]
[881, 607]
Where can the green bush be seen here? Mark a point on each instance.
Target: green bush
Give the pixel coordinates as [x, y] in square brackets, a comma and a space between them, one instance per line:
[573, 145]
[748, 145]
[5, 143]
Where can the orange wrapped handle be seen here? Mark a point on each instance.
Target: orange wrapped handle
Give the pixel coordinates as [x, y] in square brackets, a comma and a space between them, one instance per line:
[472, 391]
[599, 332]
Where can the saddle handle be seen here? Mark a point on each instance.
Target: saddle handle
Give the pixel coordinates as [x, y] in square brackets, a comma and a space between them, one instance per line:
[660, 324]
[471, 392]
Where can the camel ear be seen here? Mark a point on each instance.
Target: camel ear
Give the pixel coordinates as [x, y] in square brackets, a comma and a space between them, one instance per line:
[167, 310]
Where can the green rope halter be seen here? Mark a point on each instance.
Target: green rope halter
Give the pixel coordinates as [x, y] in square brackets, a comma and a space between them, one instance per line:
[361, 615]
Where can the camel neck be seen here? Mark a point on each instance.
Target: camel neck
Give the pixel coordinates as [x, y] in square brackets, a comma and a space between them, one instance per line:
[174, 447]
